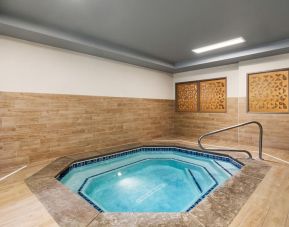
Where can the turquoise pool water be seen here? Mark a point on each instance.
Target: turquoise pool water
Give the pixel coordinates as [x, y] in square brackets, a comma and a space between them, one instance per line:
[143, 180]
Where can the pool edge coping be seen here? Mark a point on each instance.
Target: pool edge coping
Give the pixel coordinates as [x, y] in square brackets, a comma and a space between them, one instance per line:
[44, 181]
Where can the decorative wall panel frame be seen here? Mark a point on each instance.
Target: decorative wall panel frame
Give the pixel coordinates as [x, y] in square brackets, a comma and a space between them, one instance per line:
[214, 100]
[268, 92]
[187, 97]
[197, 96]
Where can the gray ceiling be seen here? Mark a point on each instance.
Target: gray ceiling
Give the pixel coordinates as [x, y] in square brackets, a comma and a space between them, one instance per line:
[158, 34]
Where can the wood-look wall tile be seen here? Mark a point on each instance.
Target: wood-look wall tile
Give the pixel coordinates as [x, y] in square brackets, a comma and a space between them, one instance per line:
[36, 127]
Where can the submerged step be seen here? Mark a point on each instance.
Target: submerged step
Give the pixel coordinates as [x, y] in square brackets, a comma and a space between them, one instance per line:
[195, 180]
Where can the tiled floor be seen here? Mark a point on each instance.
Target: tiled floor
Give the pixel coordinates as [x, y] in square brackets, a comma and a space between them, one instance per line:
[18, 206]
[267, 206]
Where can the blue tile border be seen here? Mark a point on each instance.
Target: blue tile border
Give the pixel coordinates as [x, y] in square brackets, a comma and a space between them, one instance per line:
[202, 197]
[188, 151]
[175, 149]
[90, 202]
[194, 164]
[59, 213]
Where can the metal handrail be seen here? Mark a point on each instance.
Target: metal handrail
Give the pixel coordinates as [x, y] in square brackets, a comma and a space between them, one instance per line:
[235, 150]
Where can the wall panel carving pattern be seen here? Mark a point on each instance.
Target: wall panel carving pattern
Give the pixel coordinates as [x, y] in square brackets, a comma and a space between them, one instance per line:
[213, 96]
[187, 97]
[268, 92]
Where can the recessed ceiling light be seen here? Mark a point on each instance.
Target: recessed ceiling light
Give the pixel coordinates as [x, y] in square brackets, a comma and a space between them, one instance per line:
[219, 45]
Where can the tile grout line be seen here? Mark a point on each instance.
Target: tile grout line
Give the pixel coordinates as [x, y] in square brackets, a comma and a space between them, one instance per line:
[277, 158]
[10, 174]
[287, 220]
[93, 219]
[263, 222]
[197, 220]
[249, 176]
[238, 119]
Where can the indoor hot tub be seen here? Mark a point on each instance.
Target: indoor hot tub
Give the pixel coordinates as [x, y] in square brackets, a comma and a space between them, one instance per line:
[149, 179]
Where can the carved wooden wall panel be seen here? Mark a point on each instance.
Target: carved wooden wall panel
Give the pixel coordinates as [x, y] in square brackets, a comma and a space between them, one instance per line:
[213, 96]
[187, 97]
[268, 92]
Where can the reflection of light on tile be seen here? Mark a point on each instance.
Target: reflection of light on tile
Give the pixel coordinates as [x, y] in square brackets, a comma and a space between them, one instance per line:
[119, 174]
[150, 193]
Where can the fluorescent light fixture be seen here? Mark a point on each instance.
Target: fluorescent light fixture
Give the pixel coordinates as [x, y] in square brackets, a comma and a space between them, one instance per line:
[219, 45]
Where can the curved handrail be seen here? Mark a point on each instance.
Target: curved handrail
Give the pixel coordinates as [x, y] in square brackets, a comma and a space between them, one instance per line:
[235, 150]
